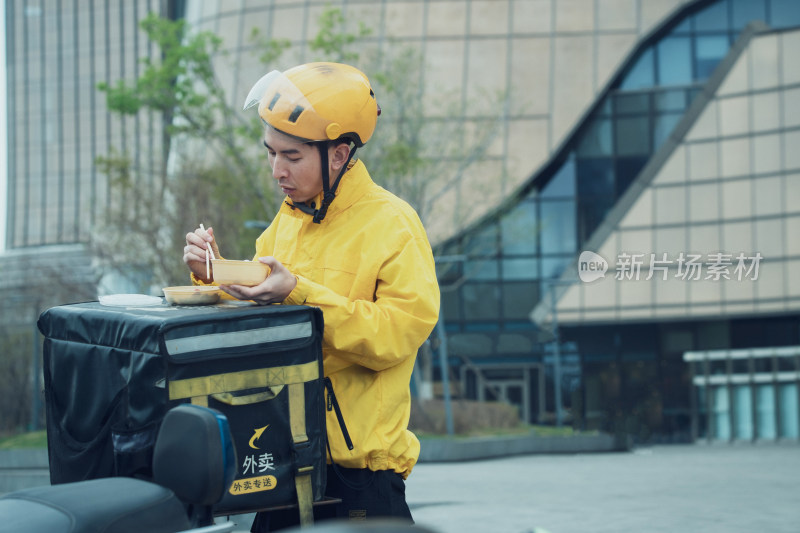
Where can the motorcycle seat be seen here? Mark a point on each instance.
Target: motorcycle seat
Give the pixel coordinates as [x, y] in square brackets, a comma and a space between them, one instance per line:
[194, 463]
[116, 504]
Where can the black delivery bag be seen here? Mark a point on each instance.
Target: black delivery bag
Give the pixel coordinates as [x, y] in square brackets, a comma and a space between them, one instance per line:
[112, 372]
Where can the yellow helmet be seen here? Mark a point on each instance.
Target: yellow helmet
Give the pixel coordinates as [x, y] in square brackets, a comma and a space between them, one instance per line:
[317, 102]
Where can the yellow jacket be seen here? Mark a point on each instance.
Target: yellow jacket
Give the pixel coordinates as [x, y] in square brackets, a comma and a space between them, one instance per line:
[369, 267]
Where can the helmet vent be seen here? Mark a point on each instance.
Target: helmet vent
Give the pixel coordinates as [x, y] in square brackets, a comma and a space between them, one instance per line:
[296, 114]
[274, 101]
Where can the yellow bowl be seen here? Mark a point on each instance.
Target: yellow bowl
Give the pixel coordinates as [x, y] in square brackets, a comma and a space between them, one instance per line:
[192, 295]
[230, 272]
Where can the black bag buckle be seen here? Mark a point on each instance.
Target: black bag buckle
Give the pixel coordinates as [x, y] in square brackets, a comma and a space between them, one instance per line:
[303, 457]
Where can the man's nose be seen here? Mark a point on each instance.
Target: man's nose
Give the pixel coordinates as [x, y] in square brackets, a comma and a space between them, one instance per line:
[279, 168]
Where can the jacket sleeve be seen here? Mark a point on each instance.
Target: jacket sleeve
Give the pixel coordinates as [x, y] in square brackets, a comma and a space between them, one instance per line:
[381, 333]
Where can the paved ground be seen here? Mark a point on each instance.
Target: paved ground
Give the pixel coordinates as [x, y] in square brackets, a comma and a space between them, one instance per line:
[684, 488]
[681, 488]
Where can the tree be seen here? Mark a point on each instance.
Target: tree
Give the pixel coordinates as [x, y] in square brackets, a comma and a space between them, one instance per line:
[417, 158]
[209, 145]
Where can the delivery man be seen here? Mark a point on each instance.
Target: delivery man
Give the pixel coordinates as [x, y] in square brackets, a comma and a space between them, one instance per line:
[359, 253]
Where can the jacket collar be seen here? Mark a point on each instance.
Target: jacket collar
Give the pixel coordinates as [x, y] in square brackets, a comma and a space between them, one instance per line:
[352, 187]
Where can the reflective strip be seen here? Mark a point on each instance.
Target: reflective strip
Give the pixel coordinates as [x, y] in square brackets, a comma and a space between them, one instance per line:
[246, 379]
[232, 339]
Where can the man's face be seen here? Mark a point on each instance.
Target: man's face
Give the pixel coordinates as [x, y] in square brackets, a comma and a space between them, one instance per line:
[295, 165]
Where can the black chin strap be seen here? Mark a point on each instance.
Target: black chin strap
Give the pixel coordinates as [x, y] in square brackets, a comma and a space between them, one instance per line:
[328, 191]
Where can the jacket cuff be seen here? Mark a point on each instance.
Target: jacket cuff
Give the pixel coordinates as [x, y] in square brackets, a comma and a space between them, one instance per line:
[299, 294]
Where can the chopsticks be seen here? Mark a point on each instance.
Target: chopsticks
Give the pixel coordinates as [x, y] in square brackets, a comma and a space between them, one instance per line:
[208, 251]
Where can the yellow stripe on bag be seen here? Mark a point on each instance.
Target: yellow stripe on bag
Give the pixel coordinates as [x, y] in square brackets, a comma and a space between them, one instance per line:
[243, 380]
[302, 479]
[297, 412]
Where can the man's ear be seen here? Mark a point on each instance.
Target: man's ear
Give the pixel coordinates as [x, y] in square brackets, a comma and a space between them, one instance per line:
[338, 155]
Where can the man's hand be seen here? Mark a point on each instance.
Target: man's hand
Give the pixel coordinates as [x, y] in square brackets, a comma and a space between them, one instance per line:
[194, 253]
[279, 283]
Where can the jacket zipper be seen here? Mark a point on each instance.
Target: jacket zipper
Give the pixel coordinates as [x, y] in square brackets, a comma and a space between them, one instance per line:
[332, 404]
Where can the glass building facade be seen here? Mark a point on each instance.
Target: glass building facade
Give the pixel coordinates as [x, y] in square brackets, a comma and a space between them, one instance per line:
[58, 123]
[621, 371]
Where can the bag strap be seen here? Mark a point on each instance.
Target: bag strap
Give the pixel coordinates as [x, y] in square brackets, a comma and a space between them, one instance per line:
[301, 447]
[231, 399]
[243, 380]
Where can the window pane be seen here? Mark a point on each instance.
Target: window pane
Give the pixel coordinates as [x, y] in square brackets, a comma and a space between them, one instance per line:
[451, 304]
[642, 73]
[557, 226]
[596, 343]
[702, 408]
[631, 103]
[785, 13]
[520, 268]
[765, 414]
[714, 17]
[448, 273]
[710, 50]
[674, 100]
[627, 168]
[481, 269]
[563, 183]
[787, 402]
[519, 299]
[605, 108]
[595, 177]
[483, 242]
[596, 140]
[519, 231]
[470, 344]
[787, 364]
[633, 136]
[664, 126]
[693, 94]
[480, 301]
[762, 364]
[745, 11]
[553, 267]
[683, 28]
[674, 61]
[743, 411]
[593, 210]
[721, 409]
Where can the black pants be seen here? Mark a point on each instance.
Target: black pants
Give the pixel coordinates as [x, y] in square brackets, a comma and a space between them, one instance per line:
[364, 493]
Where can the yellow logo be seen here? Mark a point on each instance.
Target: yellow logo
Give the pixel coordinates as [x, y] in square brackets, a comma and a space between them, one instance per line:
[252, 484]
[257, 435]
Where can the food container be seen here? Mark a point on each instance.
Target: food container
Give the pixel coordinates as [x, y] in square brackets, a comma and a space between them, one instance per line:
[192, 295]
[230, 272]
